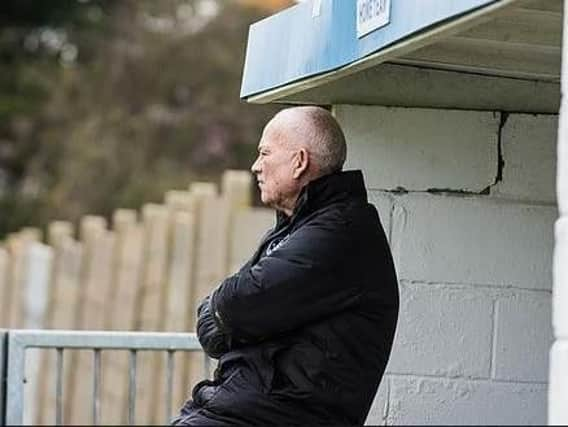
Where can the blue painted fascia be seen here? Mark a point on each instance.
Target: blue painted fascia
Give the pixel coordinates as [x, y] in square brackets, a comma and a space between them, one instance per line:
[292, 45]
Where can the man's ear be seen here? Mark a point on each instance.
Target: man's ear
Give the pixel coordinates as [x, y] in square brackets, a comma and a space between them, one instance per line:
[301, 163]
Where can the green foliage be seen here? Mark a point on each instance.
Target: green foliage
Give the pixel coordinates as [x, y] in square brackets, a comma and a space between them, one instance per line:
[23, 212]
[20, 92]
[32, 13]
[145, 106]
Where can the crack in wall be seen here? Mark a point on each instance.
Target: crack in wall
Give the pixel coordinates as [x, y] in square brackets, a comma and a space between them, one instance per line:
[504, 116]
[386, 408]
[500, 158]
[391, 220]
[435, 191]
[453, 191]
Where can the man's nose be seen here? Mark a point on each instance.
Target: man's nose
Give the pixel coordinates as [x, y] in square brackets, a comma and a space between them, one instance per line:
[255, 168]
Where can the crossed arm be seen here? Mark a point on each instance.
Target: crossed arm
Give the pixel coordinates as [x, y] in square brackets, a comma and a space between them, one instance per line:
[296, 284]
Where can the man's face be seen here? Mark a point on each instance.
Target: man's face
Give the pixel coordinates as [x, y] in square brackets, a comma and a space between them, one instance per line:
[274, 169]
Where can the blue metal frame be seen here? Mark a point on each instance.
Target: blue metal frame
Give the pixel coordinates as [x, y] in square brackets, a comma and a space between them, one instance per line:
[293, 44]
[13, 345]
[3, 373]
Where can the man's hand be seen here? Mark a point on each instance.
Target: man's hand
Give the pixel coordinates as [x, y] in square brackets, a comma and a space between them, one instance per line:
[214, 342]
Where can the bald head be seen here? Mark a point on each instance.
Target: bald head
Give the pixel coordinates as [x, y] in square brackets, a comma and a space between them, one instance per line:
[316, 130]
[297, 146]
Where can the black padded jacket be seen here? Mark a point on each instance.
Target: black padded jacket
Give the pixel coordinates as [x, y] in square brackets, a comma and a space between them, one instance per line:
[304, 330]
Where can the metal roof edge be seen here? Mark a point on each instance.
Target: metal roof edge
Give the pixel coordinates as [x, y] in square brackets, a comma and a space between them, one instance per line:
[335, 51]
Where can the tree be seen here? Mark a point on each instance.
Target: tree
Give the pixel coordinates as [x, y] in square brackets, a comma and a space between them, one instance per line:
[109, 103]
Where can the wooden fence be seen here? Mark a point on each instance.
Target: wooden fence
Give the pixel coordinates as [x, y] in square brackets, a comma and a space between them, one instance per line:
[147, 271]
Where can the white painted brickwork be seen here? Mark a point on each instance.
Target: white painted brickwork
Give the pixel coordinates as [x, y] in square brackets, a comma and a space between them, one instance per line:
[557, 408]
[523, 337]
[396, 146]
[529, 151]
[457, 402]
[558, 394]
[475, 270]
[473, 240]
[433, 318]
[560, 312]
[405, 400]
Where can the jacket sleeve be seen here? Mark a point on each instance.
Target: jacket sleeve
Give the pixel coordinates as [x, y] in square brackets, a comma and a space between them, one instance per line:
[214, 341]
[300, 282]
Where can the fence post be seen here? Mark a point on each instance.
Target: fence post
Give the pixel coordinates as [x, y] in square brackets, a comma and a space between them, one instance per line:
[59, 236]
[237, 188]
[210, 249]
[62, 314]
[182, 206]
[126, 273]
[155, 220]
[4, 287]
[93, 234]
[36, 289]
[3, 373]
[17, 245]
[15, 380]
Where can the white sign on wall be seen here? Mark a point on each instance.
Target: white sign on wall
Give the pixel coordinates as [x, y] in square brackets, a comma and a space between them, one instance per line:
[371, 15]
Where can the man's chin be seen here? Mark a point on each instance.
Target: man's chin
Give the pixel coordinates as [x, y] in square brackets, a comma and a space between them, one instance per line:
[267, 201]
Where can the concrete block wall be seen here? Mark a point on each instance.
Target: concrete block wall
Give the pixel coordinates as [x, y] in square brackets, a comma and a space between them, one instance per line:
[558, 390]
[468, 201]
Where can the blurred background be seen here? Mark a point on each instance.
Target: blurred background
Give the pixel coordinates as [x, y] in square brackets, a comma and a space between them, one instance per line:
[124, 191]
[106, 104]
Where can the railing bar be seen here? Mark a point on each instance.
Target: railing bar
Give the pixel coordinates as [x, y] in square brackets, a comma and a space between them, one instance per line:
[132, 388]
[170, 384]
[107, 340]
[59, 387]
[15, 380]
[3, 373]
[94, 340]
[96, 386]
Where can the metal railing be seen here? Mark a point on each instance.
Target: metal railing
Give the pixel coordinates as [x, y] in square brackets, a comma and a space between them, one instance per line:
[14, 343]
[3, 363]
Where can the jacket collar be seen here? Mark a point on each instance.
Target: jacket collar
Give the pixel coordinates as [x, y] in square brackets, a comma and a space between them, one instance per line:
[325, 190]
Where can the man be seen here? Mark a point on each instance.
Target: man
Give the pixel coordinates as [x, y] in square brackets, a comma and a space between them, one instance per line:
[304, 330]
